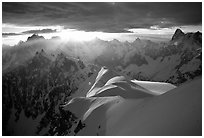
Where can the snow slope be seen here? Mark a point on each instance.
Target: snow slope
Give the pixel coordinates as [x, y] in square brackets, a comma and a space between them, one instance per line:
[156, 69]
[177, 112]
[168, 110]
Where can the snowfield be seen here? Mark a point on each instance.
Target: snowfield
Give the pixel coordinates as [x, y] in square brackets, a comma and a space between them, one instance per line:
[117, 106]
[177, 112]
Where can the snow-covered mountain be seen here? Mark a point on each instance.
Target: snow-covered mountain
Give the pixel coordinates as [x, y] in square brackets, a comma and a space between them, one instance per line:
[118, 106]
[177, 61]
[51, 87]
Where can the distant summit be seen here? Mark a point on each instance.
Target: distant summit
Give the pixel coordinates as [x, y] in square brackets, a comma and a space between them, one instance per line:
[137, 40]
[198, 37]
[56, 38]
[35, 37]
[115, 41]
[191, 39]
[178, 34]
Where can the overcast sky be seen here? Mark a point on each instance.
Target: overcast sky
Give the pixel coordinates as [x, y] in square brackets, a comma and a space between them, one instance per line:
[99, 17]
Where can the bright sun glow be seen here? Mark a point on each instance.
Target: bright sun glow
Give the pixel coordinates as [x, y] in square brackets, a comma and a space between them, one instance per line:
[74, 35]
[154, 33]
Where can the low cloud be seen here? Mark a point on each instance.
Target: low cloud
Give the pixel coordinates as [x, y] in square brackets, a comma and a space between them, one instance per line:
[40, 31]
[30, 32]
[9, 34]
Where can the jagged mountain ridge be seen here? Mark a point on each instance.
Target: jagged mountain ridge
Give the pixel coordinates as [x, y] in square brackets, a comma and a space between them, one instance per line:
[132, 59]
[38, 88]
[48, 73]
[182, 50]
[56, 113]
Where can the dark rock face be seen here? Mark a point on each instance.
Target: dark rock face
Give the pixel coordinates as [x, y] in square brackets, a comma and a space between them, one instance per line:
[178, 34]
[197, 37]
[35, 37]
[39, 88]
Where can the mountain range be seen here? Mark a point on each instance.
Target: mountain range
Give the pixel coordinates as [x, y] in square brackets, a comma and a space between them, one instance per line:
[52, 87]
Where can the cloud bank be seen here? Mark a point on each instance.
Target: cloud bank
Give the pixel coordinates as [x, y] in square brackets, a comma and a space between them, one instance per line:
[40, 31]
[104, 17]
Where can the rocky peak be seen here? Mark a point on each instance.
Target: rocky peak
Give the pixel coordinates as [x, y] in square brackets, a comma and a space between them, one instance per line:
[35, 37]
[61, 56]
[115, 41]
[198, 37]
[40, 54]
[178, 34]
[138, 39]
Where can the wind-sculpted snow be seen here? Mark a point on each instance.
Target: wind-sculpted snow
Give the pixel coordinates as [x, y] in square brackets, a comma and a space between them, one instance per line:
[92, 112]
[87, 105]
[108, 83]
[103, 76]
[131, 107]
[177, 112]
[156, 87]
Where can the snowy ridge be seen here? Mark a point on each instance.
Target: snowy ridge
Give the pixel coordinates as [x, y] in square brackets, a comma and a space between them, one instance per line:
[108, 83]
[156, 87]
[118, 106]
[103, 76]
[62, 89]
[174, 61]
